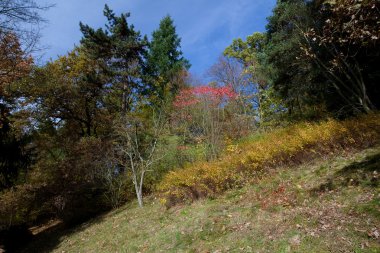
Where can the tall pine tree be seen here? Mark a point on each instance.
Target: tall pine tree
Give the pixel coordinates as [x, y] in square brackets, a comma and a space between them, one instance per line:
[120, 50]
[165, 60]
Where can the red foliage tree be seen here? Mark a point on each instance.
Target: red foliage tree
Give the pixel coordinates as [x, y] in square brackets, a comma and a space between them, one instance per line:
[215, 95]
[200, 116]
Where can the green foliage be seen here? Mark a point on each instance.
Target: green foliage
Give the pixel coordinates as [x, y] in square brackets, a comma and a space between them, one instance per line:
[250, 54]
[68, 94]
[64, 113]
[165, 61]
[119, 50]
[71, 173]
[16, 206]
[297, 81]
[68, 108]
[173, 155]
[318, 57]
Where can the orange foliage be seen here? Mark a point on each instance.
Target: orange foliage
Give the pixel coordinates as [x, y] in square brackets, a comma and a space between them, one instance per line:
[14, 64]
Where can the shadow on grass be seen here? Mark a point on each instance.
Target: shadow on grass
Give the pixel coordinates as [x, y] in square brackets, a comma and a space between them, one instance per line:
[49, 239]
[365, 173]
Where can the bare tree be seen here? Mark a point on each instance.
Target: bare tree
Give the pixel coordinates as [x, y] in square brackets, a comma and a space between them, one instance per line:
[22, 18]
[136, 146]
[229, 71]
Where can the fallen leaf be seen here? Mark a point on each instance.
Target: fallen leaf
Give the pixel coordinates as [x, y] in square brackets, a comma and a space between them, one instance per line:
[295, 240]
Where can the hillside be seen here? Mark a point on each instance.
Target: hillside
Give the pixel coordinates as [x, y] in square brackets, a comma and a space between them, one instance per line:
[190, 126]
[328, 205]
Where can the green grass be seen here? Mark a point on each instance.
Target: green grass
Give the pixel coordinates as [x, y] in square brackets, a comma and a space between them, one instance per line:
[325, 206]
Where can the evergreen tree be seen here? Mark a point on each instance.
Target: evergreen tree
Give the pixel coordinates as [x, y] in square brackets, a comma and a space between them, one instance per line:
[165, 60]
[120, 51]
[321, 56]
[295, 79]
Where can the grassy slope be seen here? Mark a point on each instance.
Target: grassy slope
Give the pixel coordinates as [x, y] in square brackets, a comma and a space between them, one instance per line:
[330, 205]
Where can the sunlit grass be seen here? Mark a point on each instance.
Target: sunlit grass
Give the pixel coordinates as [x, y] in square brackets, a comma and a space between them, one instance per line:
[286, 210]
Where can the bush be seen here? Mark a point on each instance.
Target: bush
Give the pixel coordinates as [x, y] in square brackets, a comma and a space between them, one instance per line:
[286, 146]
[68, 186]
[16, 206]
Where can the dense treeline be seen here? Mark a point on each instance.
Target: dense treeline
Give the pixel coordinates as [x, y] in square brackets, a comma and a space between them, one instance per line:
[103, 124]
[316, 58]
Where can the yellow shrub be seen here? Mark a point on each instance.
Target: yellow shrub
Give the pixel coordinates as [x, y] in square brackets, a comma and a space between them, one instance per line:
[285, 146]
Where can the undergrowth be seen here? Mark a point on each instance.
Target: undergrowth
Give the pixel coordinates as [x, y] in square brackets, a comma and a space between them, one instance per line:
[288, 146]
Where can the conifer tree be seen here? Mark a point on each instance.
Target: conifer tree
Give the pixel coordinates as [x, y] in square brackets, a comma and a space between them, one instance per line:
[120, 50]
[165, 59]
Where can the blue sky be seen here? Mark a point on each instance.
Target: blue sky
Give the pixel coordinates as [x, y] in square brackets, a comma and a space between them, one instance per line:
[205, 26]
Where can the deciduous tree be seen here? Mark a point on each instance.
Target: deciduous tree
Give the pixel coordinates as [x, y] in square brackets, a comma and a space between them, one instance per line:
[135, 146]
[23, 19]
[346, 48]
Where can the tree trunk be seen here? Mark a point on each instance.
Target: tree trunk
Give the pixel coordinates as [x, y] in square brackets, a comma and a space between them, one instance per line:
[124, 99]
[139, 198]
[138, 191]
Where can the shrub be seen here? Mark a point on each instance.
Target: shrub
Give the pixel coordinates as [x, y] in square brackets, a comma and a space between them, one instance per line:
[286, 146]
[202, 115]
